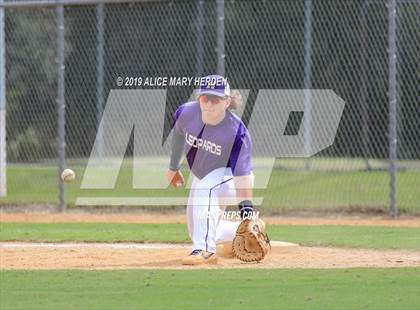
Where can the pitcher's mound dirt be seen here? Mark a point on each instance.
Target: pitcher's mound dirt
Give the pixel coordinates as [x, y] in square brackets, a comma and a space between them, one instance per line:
[168, 256]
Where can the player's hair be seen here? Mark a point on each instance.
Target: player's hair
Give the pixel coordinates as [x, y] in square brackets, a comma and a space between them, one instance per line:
[235, 100]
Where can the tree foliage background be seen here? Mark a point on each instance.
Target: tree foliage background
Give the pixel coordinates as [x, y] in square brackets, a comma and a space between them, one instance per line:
[264, 47]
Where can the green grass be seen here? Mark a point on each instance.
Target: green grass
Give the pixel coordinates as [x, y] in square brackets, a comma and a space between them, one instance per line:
[328, 235]
[335, 190]
[318, 189]
[393, 288]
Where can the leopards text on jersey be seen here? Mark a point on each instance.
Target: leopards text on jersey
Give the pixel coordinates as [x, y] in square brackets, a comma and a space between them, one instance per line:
[208, 147]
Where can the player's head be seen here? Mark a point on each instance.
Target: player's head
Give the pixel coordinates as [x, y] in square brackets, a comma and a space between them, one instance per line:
[214, 89]
[214, 97]
[215, 85]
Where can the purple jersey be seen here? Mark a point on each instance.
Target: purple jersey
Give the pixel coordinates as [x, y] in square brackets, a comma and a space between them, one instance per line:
[208, 147]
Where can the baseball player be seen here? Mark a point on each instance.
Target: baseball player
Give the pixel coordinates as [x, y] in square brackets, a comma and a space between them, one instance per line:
[218, 149]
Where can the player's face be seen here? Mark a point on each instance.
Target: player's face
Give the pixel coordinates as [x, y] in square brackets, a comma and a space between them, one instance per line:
[213, 108]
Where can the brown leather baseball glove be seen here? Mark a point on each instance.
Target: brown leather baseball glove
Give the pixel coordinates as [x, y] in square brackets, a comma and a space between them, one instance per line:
[251, 243]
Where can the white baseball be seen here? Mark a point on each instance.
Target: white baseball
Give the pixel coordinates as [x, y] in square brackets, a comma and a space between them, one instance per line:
[68, 175]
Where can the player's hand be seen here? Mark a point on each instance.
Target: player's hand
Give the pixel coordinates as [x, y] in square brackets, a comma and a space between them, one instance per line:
[175, 178]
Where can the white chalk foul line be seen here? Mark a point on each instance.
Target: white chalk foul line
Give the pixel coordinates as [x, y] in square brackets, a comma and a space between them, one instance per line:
[145, 201]
[93, 245]
[115, 245]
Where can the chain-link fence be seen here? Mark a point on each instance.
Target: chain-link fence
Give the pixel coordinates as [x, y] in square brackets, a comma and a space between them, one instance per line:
[308, 44]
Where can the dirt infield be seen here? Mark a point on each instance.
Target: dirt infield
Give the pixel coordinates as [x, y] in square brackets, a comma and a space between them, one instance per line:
[15, 255]
[176, 218]
[168, 256]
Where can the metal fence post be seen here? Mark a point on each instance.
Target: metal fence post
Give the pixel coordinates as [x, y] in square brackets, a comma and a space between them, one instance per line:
[307, 80]
[199, 38]
[392, 58]
[61, 106]
[363, 84]
[100, 17]
[221, 37]
[3, 183]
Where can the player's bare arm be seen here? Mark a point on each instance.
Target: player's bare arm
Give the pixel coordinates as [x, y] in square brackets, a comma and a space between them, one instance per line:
[243, 186]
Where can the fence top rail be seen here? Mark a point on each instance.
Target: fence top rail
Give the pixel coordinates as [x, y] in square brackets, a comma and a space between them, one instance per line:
[34, 3]
[40, 3]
